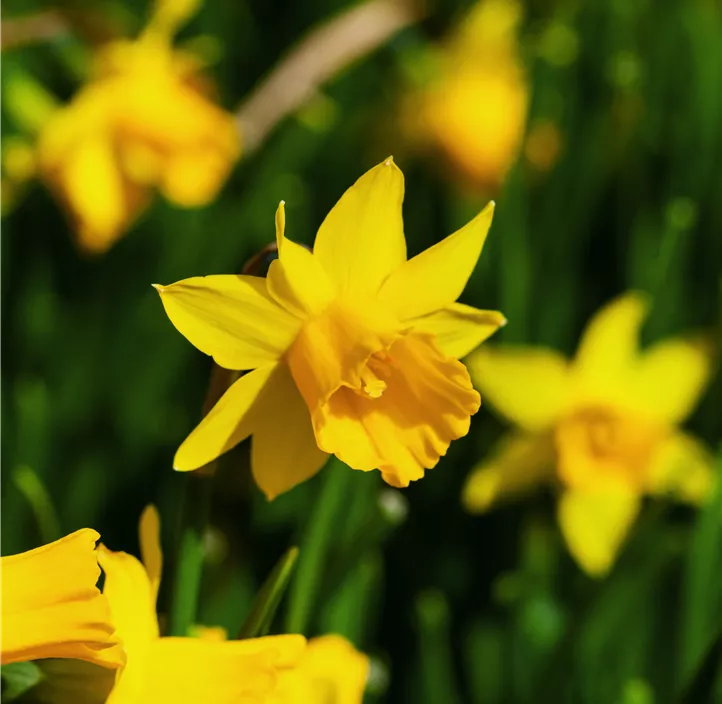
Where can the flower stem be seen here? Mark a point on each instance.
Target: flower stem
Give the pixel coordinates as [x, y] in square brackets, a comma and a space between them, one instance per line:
[195, 512]
[315, 543]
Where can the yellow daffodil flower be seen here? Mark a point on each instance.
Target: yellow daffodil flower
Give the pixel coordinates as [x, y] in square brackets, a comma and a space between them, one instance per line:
[182, 670]
[354, 349]
[604, 425]
[52, 608]
[141, 122]
[331, 671]
[475, 109]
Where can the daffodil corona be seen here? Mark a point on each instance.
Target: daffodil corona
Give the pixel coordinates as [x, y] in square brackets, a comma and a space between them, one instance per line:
[52, 608]
[182, 670]
[604, 426]
[141, 122]
[353, 348]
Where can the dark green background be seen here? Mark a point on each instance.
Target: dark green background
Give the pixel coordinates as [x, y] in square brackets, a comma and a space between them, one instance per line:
[99, 388]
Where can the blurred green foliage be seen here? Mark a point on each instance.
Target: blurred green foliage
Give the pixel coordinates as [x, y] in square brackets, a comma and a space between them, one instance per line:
[99, 389]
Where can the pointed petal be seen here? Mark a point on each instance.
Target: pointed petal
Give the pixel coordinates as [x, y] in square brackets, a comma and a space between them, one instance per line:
[229, 422]
[296, 280]
[595, 524]
[458, 328]
[608, 350]
[150, 550]
[436, 277]
[683, 468]
[517, 464]
[190, 670]
[231, 318]
[132, 602]
[51, 607]
[529, 386]
[279, 463]
[361, 241]
[670, 378]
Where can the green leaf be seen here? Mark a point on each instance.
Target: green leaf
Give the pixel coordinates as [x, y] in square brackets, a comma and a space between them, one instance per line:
[18, 678]
[264, 607]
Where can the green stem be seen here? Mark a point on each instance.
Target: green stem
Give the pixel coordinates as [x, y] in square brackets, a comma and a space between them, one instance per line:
[316, 541]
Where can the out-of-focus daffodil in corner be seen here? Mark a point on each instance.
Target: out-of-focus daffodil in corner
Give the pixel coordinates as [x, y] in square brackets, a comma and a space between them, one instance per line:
[354, 349]
[331, 671]
[604, 426]
[182, 669]
[52, 608]
[142, 122]
[474, 109]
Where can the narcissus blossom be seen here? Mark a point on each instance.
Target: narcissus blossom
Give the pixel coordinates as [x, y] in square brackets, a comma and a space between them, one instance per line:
[331, 671]
[182, 670]
[604, 427]
[52, 608]
[143, 121]
[474, 109]
[354, 349]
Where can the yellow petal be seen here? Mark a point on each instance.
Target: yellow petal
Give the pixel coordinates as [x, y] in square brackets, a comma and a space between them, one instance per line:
[231, 318]
[93, 187]
[436, 277]
[426, 403]
[670, 377]
[529, 386]
[150, 550]
[517, 464]
[51, 607]
[190, 670]
[683, 468]
[132, 602]
[67, 681]
[331, 670]
[608, 350]
[192, 177]
[361, 241]
[229, 422]
[595, 524]
[459, 329]
[279, 463]
[296, 280]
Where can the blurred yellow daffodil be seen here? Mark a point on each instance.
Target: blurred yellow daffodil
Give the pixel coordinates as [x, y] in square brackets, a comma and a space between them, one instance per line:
[474, 110]
[52, 608]
[182, 669]
[354, 349]
[604, 425]
[142, 122]
[331, 671]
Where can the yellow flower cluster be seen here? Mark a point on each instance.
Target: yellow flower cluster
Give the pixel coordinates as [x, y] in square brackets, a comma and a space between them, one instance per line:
[144, 121]
[68, 617]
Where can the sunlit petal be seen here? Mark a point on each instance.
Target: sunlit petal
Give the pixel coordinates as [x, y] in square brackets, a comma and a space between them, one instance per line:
[296, 280]
[458, 328]
[436, 277]
[529, 386]
[361, 241]
[229, 422]
[231, 318]
[670, 378]
[51, 607]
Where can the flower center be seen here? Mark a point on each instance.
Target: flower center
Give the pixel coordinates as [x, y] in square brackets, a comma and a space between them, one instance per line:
[601, 445]
[375, 375]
